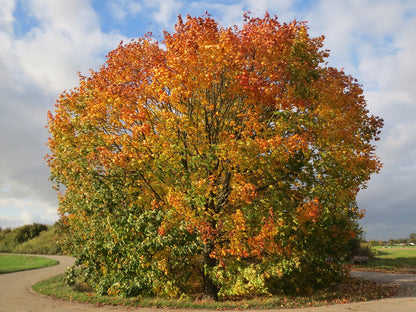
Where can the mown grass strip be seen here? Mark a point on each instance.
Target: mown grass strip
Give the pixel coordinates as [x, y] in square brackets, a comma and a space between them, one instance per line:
[392, 259]
[15, 263]
[352, 290]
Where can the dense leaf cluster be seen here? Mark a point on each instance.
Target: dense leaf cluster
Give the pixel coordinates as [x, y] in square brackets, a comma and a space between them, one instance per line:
[221, 160]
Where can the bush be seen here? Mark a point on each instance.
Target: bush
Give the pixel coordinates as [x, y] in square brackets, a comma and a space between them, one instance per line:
[45, 243]
[29, 231]
[7, 240]
[32, 239]
[358, 247]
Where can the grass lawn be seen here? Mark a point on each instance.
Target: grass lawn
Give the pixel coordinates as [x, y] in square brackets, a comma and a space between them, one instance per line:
[393, 259]
[14, 263]
[396, 257]
[352, 290]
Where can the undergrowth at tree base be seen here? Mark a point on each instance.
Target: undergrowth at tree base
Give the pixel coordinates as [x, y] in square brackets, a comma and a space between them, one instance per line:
[352, 290]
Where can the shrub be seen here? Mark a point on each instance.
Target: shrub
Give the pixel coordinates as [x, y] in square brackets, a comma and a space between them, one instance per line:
[29, 231]
[7, 240]
[45, 243]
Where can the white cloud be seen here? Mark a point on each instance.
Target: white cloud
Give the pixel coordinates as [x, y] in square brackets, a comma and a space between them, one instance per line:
[225, 14]
[398, 146]
[374, 42]
[166, 12]
[6, 15]
[68, 39]
[36, 65]
[282, 8]
[25, 211]
[372, 39]
[121, 9]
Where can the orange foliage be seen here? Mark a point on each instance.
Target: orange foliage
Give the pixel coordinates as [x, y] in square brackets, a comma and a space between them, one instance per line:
[243, 138]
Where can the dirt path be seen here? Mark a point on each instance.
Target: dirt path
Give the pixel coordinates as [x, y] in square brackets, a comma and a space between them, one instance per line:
[16, 294]
[407, 282]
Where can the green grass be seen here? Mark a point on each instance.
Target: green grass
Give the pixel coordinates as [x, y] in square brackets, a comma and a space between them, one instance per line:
[353, 290]
[14, 263]
[393, 259]
[44, 243]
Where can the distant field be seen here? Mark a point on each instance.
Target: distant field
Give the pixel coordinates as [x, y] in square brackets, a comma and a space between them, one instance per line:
[14, 263]
[386, 252]
[394, 258]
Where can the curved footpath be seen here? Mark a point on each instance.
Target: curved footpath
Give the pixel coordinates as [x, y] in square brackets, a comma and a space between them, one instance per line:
[16, 294]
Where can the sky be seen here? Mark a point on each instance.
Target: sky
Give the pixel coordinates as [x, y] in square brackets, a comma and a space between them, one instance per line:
[45, 43]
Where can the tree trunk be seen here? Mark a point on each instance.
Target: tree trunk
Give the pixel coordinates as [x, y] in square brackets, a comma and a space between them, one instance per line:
[210, 289]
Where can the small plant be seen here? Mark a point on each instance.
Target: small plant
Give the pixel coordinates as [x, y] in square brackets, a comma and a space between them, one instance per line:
[70, 276]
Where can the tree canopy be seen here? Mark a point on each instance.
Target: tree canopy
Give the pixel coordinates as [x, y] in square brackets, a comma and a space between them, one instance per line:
[221, 160]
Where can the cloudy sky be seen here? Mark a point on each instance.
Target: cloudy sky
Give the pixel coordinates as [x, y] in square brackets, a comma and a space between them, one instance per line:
[44, 43]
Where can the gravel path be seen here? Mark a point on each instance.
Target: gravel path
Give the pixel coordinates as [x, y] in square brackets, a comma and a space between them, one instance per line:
[406, 282]
[16, 294]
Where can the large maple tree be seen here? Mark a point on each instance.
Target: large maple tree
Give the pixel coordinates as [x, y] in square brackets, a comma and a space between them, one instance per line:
[222, 158]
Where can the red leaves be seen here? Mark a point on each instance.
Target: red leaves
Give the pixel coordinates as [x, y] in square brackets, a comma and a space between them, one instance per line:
[239, 142]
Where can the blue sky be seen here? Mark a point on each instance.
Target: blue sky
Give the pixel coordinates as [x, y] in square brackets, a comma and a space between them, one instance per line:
[44, 43]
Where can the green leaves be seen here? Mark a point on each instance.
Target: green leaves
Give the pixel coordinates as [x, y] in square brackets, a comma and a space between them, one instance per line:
[229, 160]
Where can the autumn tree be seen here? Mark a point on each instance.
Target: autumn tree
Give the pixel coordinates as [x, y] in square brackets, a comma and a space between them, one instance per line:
[222, 158]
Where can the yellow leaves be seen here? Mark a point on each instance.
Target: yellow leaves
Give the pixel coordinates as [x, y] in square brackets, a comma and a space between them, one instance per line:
[156, 204]
[161, 230]
[224, 137]
[360, 213]
[270, 144]
[162, 265]
[239, 221]
[243, 190]
[103, 268]
[310, 211]
[141, 129]
[297, 142]
[176, 201]
[212, 46]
